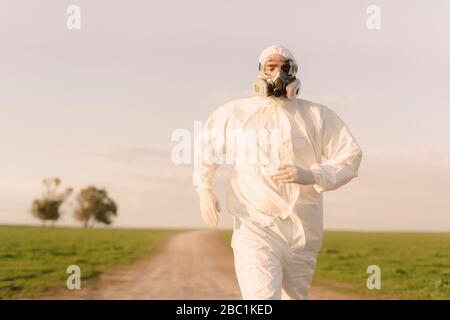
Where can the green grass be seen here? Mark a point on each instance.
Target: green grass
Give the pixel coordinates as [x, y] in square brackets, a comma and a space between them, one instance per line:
[413, 265]
[33, 260]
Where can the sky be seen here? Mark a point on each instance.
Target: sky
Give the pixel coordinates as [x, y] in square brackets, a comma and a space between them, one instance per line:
[98, 106]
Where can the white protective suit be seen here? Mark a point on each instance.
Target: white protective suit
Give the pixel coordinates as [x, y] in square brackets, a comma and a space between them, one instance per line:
[277, 226]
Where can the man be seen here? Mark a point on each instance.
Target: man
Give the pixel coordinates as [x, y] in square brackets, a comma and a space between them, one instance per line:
[295, 151]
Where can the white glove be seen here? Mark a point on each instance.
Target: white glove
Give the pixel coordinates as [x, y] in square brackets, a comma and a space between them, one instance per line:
[294, 174]
[209, 207]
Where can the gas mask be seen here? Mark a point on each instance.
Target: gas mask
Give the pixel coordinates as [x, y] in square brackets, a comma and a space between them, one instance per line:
[279, 83]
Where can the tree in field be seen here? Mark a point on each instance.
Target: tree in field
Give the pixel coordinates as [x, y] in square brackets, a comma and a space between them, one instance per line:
[47, 208]
[94, 205]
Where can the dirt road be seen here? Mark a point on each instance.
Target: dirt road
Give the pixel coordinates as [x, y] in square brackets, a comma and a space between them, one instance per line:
[192, 265]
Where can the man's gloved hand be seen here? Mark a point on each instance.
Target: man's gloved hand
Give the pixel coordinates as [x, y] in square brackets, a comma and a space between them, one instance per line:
[294, 174]
[209, 207]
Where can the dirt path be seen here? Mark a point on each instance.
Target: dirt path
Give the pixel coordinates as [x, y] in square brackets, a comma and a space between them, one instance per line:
[192, 265]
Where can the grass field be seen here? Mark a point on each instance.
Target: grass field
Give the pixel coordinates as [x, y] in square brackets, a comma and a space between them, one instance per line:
[33, 260]
[413, 265]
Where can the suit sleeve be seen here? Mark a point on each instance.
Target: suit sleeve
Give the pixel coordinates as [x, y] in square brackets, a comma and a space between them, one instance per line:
[210, 148]
[341, 154]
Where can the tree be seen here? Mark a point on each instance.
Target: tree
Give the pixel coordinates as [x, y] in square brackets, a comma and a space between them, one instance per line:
[47, 208]
[94, 205]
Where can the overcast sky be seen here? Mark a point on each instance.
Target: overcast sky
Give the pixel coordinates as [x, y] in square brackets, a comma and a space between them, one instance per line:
[98, 105]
